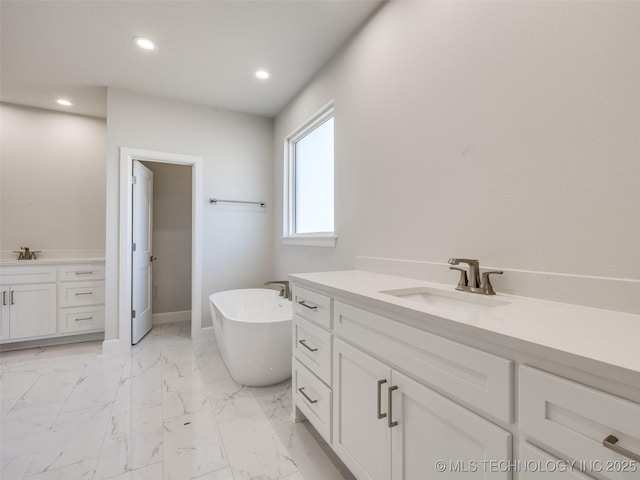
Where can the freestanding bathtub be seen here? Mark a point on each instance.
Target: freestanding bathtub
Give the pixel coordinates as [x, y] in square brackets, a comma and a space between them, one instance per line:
[253, 331]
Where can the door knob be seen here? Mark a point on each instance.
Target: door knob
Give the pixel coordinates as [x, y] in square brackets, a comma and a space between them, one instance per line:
[152, 258]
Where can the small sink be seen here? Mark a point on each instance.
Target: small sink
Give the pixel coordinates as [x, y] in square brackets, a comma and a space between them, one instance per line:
[444, 298]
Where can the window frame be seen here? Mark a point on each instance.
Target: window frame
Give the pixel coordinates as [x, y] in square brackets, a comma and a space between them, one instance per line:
[289, 236]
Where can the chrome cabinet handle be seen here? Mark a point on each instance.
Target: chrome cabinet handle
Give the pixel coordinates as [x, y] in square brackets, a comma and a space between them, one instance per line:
[389, 422]
[4, 297]
[13, 302]
[301, 390]
[86, 318]
[305, 304]
[304, 344]
[84, 293]
[380, 414]
[83, 273]
[611, 442]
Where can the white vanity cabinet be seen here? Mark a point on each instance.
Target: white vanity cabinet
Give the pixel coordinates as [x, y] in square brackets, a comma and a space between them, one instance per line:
[365, 382]
[389, 426]
[423, 392]
[28, 301]
[39, 302]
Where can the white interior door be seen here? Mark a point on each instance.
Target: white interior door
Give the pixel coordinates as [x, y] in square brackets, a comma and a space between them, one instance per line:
[142, 229]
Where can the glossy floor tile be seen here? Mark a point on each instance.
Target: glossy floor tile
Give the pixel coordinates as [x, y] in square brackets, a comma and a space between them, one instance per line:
[166, 410]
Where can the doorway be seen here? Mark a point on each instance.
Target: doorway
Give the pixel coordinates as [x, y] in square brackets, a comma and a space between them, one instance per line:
[161, 283]
[125, 298]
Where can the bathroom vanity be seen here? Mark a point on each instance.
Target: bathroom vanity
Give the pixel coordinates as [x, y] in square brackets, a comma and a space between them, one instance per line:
[407, 379]
[51, 299]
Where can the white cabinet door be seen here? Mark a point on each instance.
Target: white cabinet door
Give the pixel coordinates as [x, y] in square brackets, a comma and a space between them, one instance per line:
[32, 310]
[4, 312]
[360, 438]
[437, 438]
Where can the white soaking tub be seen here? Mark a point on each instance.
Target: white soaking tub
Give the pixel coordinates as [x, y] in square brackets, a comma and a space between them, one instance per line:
[253, 331]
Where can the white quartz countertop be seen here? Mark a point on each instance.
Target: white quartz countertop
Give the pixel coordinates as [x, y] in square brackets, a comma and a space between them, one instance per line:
[50, 261]
[602, 342]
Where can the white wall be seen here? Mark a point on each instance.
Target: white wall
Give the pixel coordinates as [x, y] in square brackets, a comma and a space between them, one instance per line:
[504, 131]
[52, 190]
[171, 237]
[237, 164]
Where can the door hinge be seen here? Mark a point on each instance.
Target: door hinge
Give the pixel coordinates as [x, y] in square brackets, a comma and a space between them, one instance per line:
[134, 179]
[133, 314]
[133, 247]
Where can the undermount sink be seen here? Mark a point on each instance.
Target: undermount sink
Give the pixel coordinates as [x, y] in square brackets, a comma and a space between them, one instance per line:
[444, 298]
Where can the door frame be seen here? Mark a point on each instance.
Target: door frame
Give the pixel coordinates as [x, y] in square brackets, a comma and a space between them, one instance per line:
[127, 156]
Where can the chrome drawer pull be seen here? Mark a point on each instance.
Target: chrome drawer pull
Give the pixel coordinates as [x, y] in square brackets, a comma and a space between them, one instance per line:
[301, 390]
[86, 318]
[305, 304]
[84, 293]
[380, 414]
[4, 297]
[389, 422]
[611, 443]
[83, 273]
[304, 344]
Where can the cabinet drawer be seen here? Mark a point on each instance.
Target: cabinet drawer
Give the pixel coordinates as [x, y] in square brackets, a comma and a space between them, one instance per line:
[80, 319]
[573, 420]
[312, 306]
[81, 293]
[75, 273]
[313, 398]
[535, 464]
[19, 274]
[469, 375]
[312, 347]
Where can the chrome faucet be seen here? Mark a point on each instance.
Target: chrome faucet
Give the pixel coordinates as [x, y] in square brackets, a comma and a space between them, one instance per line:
[473, 278]
[285, 291]
[25, 254]
[472, 282]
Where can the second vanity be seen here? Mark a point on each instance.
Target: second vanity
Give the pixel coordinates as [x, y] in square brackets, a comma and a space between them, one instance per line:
[51, 300]
[411, 380]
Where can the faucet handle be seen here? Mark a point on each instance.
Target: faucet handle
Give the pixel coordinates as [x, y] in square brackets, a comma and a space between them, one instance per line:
[486, 281]
[463, 281]
[469, 261]
[285, 290]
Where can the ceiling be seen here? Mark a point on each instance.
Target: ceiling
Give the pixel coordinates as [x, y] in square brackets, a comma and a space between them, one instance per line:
[207, 51]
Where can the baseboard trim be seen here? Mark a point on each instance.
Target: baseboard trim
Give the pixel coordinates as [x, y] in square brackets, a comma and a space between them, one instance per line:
[48, 342]
[171, 317]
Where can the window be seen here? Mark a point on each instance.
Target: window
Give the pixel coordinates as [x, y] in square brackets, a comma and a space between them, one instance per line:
[308, 208]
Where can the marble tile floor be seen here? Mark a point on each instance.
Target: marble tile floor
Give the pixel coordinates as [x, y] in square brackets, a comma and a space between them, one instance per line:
[167, 410]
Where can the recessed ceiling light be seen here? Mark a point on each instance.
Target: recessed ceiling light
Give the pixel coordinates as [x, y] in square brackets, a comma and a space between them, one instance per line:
[262, 74]
[144, 43]
[65, 102]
